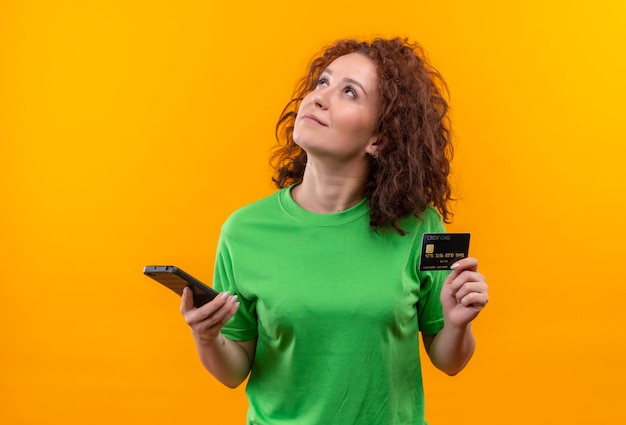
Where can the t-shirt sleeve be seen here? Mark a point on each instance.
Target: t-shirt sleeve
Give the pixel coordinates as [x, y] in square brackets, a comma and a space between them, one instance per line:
[243, 325]
[430, 312]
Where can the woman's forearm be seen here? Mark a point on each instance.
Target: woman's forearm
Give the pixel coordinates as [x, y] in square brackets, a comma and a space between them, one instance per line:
[452, 348]
[228, 361]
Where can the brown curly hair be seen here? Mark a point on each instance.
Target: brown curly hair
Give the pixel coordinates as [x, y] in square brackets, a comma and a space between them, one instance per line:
[414, 138]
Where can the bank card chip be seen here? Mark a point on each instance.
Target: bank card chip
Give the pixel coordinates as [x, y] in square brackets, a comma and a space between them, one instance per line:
[440, 250]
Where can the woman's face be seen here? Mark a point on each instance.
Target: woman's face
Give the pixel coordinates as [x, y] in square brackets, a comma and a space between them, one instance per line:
[338, 119]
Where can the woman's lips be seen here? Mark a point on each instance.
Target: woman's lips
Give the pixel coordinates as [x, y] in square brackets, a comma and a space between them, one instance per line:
[311, 117]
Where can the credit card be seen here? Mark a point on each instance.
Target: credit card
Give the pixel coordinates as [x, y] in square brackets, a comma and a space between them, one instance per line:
[440, 250]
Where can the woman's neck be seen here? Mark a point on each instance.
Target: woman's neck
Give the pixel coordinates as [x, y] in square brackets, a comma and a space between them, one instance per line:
[327, 192]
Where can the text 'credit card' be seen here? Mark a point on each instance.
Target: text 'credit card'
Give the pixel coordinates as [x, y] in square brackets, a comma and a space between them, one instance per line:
[440, 250]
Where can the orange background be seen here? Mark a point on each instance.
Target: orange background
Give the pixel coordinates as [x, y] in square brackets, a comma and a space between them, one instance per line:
[130, 130]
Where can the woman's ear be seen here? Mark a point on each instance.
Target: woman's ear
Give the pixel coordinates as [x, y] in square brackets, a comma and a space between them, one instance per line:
[372, 148]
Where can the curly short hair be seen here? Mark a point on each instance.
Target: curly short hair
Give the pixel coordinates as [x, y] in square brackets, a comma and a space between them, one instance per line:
[414, 137]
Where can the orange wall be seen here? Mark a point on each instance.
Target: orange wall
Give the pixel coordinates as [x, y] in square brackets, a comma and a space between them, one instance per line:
[130, 130]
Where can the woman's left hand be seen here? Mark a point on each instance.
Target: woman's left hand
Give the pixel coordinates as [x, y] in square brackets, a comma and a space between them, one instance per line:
[464, 293]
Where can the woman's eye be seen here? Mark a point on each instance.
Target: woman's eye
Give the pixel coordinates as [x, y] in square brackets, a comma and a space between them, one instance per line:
[350, 92]
[322, 81]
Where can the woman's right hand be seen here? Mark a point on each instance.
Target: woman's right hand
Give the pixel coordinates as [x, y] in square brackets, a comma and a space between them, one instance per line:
[207, 321]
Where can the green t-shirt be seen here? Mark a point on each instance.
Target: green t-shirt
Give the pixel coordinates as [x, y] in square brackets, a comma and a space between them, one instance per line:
[336, 308]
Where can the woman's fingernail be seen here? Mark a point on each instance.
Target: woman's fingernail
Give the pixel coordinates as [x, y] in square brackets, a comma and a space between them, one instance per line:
[454, 266]
[224, 295]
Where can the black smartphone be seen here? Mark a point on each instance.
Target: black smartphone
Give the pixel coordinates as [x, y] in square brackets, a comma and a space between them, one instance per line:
[176, 279]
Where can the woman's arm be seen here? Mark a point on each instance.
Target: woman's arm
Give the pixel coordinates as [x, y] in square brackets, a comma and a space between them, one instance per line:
[450, 350]
[463, 296]
[227, 360]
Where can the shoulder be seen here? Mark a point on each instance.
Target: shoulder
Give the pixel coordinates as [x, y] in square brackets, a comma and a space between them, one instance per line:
[428, 221]
[431, 219]
[253, 212]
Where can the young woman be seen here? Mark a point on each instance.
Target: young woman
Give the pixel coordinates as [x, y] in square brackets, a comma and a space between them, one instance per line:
[322, 296]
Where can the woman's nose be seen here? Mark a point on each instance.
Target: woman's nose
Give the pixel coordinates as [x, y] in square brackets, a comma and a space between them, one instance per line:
[320, 98]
